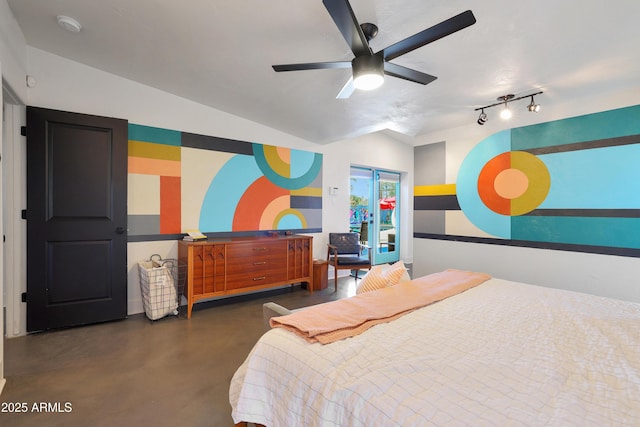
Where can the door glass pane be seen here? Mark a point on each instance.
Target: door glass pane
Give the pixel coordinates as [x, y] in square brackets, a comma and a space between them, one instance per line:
[388, 186]
[361, 187]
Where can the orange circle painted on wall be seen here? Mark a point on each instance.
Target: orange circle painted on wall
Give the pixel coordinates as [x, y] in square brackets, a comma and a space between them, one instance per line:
[513, 183]
[486, 184]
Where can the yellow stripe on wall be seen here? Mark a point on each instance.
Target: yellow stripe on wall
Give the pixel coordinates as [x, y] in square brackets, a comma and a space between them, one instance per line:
[153, 151]
[434, 190]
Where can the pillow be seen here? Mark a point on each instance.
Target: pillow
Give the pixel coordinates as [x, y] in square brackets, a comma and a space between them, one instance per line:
[381, 276]
[390, 269]
[374, 279]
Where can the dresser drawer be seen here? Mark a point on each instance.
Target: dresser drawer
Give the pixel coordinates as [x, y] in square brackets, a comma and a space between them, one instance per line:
[265, 261]
[258, 249]
[255, 278]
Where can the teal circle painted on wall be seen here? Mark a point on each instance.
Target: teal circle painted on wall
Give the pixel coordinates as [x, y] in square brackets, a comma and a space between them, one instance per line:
[304, 179]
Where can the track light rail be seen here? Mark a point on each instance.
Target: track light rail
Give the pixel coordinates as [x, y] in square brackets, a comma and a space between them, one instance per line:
[506, 99]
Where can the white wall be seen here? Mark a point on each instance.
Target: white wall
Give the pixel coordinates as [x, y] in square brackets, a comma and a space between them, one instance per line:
[605, 275]
[13, 54]
[70, 86]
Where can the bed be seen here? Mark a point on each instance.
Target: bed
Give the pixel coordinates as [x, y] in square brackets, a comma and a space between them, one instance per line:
[499, 353]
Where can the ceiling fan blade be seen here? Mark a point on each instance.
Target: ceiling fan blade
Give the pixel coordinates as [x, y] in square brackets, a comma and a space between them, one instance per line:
[438, 31]
[347, 89]
[345, 19]
[407, 73]
[312, 66]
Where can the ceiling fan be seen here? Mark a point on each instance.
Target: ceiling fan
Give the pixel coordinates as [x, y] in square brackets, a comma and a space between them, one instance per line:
[368, 68]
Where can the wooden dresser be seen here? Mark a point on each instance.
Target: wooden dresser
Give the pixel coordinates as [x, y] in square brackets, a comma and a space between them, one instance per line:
[217, 267]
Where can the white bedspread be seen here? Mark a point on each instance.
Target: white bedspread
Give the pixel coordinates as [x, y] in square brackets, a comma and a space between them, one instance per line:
[501, 354]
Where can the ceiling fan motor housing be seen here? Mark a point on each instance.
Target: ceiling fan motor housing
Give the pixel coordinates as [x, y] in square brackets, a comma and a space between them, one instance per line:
[368, 71]
[369, 30]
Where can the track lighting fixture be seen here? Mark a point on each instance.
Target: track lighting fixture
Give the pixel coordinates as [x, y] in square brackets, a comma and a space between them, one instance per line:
[506, 113]
[482, 118]
[533, 107]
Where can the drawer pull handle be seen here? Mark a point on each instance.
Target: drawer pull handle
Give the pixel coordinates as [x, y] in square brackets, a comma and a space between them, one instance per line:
[259, 249]
[260, 263]
[259, 278]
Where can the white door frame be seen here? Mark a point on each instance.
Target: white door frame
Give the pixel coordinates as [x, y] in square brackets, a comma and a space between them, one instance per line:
[15, 229]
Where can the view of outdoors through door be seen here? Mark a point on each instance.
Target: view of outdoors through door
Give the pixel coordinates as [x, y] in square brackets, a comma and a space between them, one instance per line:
[374, 211]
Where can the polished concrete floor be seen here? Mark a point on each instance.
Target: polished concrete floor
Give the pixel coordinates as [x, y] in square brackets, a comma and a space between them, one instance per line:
[171, 372]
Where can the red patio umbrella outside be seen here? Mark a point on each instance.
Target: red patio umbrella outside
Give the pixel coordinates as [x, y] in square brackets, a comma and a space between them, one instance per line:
[388, 203]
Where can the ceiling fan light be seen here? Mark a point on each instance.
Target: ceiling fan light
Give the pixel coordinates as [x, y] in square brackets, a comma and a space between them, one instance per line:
[368, 81]
[368, 72]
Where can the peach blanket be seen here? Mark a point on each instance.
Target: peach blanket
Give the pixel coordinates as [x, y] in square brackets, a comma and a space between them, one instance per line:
[337, 320]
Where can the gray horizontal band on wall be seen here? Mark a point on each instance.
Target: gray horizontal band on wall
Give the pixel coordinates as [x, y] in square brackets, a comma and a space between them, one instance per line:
[161, 237]
[602, 250]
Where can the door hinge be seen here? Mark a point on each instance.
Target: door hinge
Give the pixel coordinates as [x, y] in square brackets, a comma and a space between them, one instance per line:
[23, 130]
[24, 297]
[24, 214]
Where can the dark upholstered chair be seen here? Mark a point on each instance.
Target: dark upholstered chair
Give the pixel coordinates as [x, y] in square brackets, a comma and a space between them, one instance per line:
[345, 253]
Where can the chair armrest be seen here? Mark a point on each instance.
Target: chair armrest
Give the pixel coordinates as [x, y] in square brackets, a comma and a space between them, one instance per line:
[331, 248]
[271, 309]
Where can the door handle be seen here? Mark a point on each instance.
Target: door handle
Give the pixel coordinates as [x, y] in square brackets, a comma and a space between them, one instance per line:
[120, 230]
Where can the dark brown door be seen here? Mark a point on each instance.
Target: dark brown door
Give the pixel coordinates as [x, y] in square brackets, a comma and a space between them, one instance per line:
[76, 219]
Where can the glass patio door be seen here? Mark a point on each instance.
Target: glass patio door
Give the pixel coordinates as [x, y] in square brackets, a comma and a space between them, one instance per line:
[375, 211]
[387, 188]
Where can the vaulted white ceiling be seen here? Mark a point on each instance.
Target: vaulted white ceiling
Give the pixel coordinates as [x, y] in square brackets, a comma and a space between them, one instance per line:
[219, 53]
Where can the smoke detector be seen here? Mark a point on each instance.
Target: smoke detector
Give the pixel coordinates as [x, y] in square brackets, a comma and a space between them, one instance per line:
[69, 24]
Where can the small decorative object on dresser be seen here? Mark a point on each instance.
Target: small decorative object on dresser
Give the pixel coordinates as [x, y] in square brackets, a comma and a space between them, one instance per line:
[194, 236]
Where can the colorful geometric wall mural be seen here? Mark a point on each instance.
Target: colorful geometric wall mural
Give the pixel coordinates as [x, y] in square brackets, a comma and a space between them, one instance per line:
[570, 184]
[180, 181]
